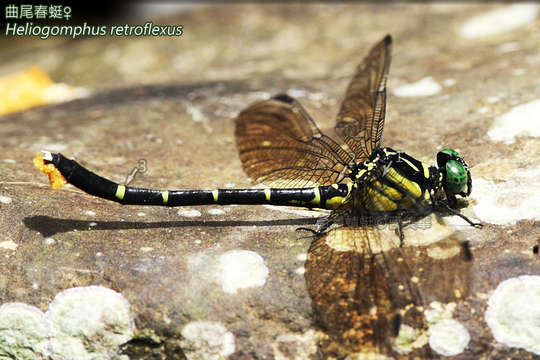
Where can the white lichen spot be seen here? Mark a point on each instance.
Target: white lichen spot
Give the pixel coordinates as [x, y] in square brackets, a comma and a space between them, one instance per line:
[409, 339]
[88, 323]
[301, 257]
[8, 245]
[90, 213]
[5, 199]
[521, 120]
[300, 271]
[196, 113]
[146, 249]
[424, 87]
[519, 72]
[493, 99]
[449, 82]
[439, 311]
[318, 96]
[189, 212]
[507, 202]
[297, 93]
[513, 313]
[499, 20]
[141, 214]
[92, 224]
[440, 253]
[50, 241]
[215, 211]
[483, 109]
[9, 161]
[198, 117]
[509, 47]
[24, 332]
[533, 60]
[242, 269]
[448, 337]
[207, 340]
[256, 95]
[296, 346]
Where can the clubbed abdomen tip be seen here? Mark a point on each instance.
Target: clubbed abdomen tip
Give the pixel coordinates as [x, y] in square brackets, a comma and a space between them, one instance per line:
[56, 179]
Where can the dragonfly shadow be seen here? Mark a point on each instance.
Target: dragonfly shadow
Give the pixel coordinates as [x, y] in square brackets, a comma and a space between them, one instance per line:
[49, 226]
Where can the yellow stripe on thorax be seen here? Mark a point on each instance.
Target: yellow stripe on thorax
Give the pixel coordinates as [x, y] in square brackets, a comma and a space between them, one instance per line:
[389, 192]
[267, 194]
[377, 200]
[382, 197]
[410, 164]
[215, 195]
[361, 173]
[426, 171]
[410, 186]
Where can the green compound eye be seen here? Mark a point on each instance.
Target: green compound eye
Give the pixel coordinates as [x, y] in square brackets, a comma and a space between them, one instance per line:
[456, 176]
[446, 154]
[451, 152]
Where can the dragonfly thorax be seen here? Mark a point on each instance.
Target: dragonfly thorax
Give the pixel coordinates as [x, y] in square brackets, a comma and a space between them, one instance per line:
[393, 181]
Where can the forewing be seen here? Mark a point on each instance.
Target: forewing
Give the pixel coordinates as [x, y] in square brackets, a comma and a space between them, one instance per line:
[280, 145]
[360, 120]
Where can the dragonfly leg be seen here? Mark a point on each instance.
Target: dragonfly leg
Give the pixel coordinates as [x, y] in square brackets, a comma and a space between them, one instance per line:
[400, 231]
[455, 212]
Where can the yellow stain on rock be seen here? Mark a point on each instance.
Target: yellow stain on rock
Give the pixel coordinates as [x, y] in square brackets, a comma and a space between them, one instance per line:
[23, 90]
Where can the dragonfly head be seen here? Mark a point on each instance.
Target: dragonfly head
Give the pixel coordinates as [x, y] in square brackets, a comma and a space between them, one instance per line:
[456, 174]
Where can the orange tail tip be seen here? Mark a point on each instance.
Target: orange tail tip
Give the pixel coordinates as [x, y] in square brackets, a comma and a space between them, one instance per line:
[56, 179]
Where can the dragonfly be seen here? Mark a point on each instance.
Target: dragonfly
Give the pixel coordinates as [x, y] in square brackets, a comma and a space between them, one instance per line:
[362, 291]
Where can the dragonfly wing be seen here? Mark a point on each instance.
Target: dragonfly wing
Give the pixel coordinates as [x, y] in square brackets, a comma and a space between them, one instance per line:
[279, 144]
[361, 290]
[360, 120]
[366, 287]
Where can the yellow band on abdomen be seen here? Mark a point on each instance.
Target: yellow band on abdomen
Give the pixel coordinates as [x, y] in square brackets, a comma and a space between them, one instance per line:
[165, 196]
[120, 192]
